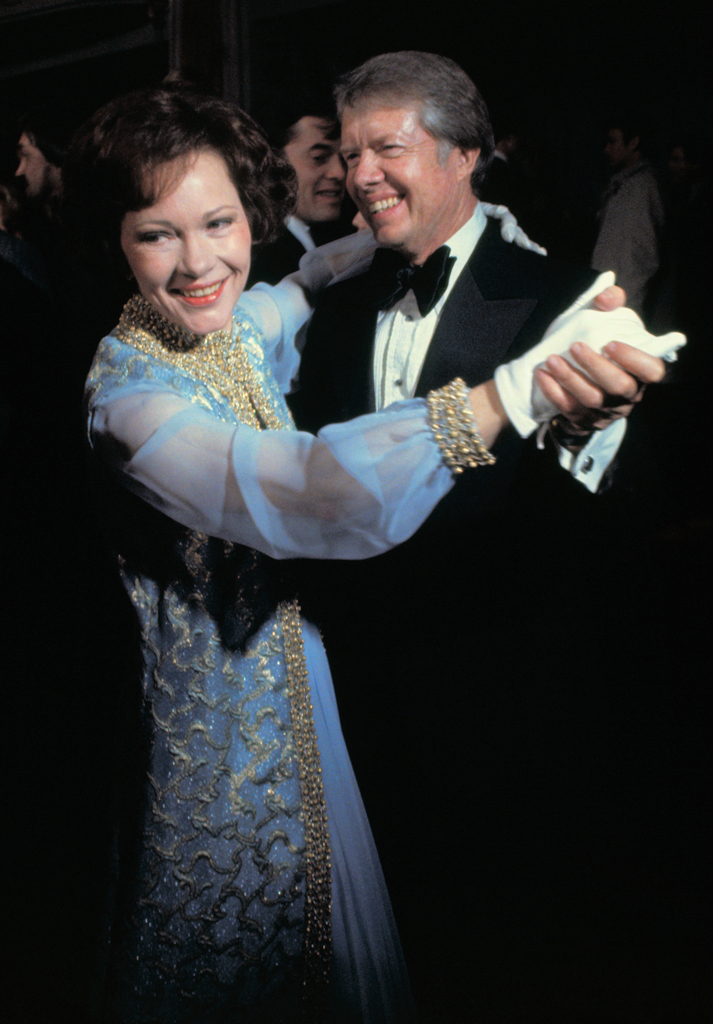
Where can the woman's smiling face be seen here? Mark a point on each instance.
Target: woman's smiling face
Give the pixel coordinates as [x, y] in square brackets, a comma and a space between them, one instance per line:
[190, 251]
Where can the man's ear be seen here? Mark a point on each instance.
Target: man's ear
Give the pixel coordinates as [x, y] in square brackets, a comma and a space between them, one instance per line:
[467, 160]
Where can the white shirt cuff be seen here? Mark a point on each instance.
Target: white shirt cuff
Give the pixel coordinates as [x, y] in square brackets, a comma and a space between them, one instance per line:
[591, 462]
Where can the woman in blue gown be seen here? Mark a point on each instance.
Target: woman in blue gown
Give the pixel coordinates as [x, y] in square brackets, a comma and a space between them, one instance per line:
[247, 883]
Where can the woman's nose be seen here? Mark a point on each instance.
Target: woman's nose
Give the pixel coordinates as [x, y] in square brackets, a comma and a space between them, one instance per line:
[197, 256]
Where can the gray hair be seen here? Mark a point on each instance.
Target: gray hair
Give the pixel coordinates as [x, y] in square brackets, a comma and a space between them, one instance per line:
[450, 107]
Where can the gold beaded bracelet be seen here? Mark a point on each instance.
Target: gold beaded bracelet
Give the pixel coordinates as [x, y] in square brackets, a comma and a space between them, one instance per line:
[454, 428]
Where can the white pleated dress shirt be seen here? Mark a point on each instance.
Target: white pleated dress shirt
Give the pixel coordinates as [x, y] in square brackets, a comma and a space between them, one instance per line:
[403, 335]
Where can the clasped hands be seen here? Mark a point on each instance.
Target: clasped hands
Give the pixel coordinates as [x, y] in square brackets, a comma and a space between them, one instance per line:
[612, 385]
[589, 369]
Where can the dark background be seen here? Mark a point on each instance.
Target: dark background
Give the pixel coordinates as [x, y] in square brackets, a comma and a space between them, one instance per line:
[558, 68]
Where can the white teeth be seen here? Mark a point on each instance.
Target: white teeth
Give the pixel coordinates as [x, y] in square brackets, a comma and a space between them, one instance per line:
[199, 293]
[384, 204]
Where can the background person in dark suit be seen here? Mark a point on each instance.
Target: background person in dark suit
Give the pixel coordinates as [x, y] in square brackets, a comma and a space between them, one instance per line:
[306, 132]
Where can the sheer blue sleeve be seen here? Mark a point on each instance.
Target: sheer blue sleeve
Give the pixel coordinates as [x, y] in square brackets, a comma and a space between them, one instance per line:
[354, 491]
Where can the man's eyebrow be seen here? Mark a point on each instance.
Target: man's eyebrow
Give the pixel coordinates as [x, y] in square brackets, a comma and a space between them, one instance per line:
[388, 138]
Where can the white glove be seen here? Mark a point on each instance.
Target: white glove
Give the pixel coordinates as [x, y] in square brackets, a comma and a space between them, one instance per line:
[519, 392]
[509, 227]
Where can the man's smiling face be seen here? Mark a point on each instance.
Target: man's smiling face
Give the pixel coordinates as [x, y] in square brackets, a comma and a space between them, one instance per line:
[314, 153]
[413, 195]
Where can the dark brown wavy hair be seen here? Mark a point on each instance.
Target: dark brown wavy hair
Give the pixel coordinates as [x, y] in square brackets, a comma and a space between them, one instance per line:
[109, 169]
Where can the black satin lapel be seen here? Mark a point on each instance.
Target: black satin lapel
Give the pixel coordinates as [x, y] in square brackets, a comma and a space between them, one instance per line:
[476, 330]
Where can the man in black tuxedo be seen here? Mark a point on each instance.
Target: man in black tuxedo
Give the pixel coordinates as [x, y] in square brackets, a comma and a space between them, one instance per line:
[459, 679]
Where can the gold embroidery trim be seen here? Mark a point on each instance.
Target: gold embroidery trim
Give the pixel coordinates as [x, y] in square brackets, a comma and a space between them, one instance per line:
[224, 368]
[318, 895]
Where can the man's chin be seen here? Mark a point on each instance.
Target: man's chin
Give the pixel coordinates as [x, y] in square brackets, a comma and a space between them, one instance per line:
[386, 236]
[325, 212]
[33, 194]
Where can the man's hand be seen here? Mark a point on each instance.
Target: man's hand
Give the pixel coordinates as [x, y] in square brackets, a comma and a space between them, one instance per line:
[611, 298]
[581, 375]
[613, 384]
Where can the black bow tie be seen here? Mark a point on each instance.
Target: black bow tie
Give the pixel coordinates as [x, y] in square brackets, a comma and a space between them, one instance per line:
[392, 277]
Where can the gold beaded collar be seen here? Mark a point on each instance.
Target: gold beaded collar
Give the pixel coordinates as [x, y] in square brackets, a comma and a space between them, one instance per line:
[141, 314]
[214, 359]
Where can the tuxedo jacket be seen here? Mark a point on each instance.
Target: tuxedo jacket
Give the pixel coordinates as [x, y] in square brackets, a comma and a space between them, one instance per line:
[501, 305]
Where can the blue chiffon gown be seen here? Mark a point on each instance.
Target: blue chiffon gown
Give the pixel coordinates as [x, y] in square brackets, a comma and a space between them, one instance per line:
[247, 886]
